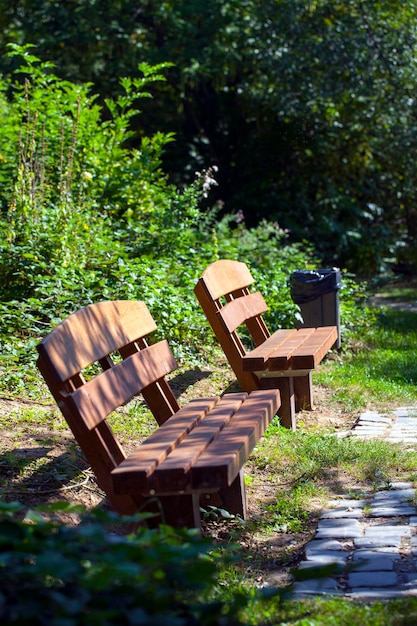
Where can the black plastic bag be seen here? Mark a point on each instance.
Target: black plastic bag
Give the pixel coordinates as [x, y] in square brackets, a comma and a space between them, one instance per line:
[307, 285]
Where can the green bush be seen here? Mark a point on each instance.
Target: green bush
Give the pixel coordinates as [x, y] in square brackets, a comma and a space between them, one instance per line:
[87, 216]
[58, 574]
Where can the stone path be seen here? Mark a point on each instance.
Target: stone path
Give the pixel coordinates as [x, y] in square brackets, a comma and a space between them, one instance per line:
[366, 546]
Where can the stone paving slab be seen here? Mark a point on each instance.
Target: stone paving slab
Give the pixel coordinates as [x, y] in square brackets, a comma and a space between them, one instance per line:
[371, 541]
[373, 560]
[398, 426]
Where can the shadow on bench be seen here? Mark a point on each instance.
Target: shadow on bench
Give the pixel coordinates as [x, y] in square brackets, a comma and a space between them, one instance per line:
[197, 451]
[283, 360]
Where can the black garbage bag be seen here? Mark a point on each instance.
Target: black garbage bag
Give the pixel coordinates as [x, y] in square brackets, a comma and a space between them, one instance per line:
[307, 285]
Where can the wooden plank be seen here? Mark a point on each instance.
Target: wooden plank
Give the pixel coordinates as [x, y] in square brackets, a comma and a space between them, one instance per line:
[91, 334]
[238, 311]
[291, 349]
[133, 473]
[226, 276]
[113, 387]
[231, 343]
[303, 392]
[179, 510]
[172, 473]
[309, 353]
[277, 344]
[221, 463]
[285, 385]
[282, 358]
[233, 498]
[160, 400]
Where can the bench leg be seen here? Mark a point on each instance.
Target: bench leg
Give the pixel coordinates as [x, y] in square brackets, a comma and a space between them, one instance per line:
[233, 498]
[286, 411]
[303, 392]
[179, 511]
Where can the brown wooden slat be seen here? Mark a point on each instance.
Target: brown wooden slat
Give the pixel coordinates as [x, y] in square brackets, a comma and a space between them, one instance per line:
[291, 349]
[91, 334]
[276, 344]
[225, 276]
[282, 358]
[100, 396]
[237, 311]
[258, 330]
[231, 343]
[311, 352]
[160, 400]
[221, 463]
[172, 473]
[133, 473]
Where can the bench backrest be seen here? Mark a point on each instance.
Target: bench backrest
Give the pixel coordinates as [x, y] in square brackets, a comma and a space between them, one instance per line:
[224, 295]
[113, 336]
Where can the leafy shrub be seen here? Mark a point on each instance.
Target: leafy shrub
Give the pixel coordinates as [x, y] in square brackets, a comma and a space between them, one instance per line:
[52, 573]
[79, 190]
[87, 214]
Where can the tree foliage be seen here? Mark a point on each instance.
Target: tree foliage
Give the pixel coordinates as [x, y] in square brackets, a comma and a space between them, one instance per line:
[306, 106]
[87, 214]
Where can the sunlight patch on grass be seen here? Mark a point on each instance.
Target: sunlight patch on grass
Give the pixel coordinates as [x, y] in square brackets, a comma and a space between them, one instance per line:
[27, 417]
[133, 422]
[381, 369]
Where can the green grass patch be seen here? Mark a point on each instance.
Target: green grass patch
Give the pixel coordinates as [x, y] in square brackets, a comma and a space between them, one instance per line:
[132, 422]
[26, 417]
[338, 612]
[302, 468]
[302, 455]
[399, 291]
[381, 366]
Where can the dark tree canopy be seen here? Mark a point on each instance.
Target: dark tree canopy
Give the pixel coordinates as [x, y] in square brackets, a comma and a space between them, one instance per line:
[307, 107]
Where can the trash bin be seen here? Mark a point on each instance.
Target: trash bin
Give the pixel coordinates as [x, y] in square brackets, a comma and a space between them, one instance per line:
[317, 294]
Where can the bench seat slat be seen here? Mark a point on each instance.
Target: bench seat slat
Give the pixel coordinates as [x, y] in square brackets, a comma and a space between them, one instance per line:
[276, 343]
[221, 462]
[172, 473]
[237, 311]
[282, 358]
[132, 475]
[103, 394]
[310, 355]
[228, 435]
[300, 349]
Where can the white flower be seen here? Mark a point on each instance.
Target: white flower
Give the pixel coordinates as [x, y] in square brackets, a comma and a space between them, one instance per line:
[87, 176]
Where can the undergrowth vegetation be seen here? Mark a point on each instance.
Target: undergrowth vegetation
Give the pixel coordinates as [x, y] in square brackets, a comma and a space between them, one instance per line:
[84, 216]
[86, 574]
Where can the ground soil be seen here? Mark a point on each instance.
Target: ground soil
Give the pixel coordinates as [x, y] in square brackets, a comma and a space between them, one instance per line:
[40, 464]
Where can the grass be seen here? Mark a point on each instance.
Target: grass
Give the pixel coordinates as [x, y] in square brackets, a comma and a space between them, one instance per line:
[398, 290]
[381, 368]
[338, 612]
[132, 422]
[303, 468]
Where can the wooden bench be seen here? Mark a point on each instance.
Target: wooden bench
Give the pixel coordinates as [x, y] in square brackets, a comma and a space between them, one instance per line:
[197, 451]
[283, 360]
